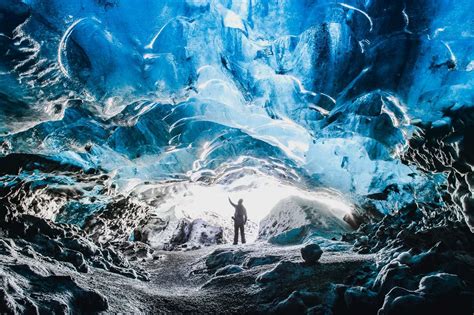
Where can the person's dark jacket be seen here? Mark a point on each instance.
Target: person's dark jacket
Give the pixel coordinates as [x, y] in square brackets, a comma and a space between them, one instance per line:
[240, 215]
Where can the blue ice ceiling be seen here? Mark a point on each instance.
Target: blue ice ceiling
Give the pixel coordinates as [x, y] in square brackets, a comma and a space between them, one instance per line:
[316, 92]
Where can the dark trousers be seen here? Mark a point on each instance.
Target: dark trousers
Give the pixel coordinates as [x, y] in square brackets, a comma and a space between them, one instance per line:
[238, 227]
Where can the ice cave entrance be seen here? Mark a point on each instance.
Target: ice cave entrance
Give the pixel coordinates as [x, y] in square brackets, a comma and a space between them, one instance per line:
[264, 196]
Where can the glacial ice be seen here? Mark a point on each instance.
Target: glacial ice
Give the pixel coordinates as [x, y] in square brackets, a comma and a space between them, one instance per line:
[347, 127]
[322, 94]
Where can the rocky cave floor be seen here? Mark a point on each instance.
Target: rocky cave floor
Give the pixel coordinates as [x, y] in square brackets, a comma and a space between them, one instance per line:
[55, 268]
[180, 281]
[418, 260]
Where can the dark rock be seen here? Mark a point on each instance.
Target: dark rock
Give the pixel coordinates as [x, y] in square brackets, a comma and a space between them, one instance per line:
[439, 293]
[116, 221]
[64, 243]
[13, 163]
[287, 271]
[293, 304]
[137, 250]
[297, 302]
[320, 310]
[360, 300]
[311, 253]
[32, 289]
[441, 285]
[260, 261]
[203, 233]
[402, 301]
[394, 274]
[227, 270]
[221, 258]
[181, 233]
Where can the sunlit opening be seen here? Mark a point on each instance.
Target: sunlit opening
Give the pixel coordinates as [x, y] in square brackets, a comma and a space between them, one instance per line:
[260, 195]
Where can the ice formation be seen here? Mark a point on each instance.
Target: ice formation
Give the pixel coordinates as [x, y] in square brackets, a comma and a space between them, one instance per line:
[125, 125]
[194, 90]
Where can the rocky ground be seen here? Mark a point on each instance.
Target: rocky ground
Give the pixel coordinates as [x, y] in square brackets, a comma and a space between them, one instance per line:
[418, 260]
[394, 266]
[48, 267]
[179, 282]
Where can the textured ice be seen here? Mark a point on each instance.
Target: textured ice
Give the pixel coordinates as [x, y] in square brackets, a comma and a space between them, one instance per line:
[317, 93]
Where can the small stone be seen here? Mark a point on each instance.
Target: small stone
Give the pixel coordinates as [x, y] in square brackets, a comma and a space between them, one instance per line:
[311, 253]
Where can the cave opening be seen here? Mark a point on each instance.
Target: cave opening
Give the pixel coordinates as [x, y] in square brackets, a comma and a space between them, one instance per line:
[345, 127]
[263, 197]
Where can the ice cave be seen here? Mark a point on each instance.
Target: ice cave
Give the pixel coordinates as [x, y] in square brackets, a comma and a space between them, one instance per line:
[138, 137]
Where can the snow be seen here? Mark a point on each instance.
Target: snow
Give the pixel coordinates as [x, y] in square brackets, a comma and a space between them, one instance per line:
[295, 220]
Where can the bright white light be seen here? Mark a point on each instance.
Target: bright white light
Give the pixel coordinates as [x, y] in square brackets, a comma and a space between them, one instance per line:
[260, 194]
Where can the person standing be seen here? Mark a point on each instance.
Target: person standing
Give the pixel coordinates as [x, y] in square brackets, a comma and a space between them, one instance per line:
[240, 219]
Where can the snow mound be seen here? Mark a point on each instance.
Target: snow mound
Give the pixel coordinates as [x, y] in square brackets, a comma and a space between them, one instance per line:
[293, 220]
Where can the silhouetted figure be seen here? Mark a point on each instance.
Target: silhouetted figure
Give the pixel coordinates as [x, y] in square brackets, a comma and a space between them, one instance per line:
[240, 218]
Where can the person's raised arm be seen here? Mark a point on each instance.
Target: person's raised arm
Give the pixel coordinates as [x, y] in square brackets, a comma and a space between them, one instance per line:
[233, 204]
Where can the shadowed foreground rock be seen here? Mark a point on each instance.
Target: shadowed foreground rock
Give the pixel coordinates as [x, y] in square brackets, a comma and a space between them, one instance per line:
[32, 289]
[38, 259]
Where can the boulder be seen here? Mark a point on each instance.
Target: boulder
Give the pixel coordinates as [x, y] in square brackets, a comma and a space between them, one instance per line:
[297, 302]
[228, 270]
[292, 305]
[221, 258]
[31, 289]
[260, 261]
[402, 301]
[360, 300]
[441, 284]
[439, 293]
[180, 234]
[287, 271]
[293, 220]
[204, 233]
[405, 258]
[392, 275]
[311, 253]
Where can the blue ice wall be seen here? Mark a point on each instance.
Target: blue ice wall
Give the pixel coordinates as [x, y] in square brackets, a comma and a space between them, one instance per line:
[321, 92]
